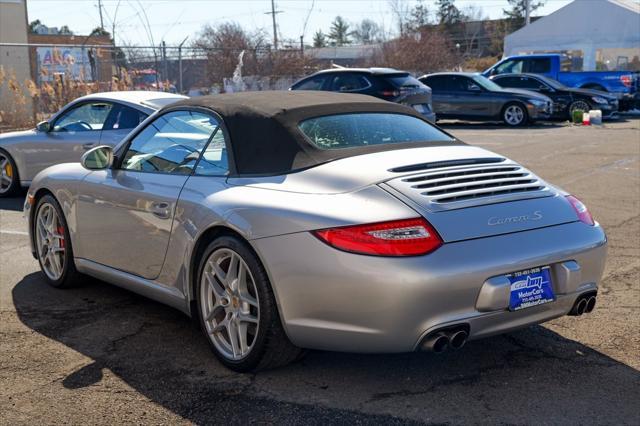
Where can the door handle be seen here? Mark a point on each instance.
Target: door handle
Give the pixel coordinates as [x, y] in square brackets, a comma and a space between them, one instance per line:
[161, 210]
[88, 146]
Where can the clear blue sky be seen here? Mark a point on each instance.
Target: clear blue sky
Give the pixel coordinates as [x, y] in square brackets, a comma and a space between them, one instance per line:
[173, 20]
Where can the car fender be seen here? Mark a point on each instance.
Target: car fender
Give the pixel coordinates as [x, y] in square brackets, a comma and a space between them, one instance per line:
[256, 213]
[61, 181]
[10, 142]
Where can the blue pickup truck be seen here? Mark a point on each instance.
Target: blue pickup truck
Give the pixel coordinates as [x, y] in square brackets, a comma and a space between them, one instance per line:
[625, 84]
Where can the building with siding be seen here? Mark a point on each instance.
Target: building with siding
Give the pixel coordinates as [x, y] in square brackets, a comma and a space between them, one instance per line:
[13, 59]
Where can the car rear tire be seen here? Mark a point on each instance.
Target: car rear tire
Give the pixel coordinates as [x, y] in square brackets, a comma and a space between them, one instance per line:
[515, 115]
[53, 244]
[9, 178]
[237, 309]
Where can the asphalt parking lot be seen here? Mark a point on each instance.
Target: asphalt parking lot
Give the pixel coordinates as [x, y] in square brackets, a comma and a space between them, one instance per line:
[101, 355]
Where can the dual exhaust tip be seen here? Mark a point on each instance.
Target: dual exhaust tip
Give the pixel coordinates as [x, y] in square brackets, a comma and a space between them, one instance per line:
[584, 305]
[440, 341]
[455, 338]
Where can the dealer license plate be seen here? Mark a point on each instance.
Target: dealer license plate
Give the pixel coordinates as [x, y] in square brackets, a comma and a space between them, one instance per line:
[530, 287]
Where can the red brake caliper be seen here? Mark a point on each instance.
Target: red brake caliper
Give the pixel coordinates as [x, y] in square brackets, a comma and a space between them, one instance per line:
[60, 230]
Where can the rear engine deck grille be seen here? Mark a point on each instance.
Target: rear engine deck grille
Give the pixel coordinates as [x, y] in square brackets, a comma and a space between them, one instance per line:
[446, 185]
[488, 194]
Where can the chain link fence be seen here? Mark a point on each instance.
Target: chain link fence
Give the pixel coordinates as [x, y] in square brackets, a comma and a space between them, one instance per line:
[58, 73]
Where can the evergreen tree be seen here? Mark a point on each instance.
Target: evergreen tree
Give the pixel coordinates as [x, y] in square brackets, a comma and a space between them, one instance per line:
[319, 39]
[419, 16]
[518, 9]
[447, 12]
[339, 34]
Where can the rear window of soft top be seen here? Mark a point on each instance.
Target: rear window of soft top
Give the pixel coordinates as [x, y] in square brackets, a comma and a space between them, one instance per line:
[353, 130]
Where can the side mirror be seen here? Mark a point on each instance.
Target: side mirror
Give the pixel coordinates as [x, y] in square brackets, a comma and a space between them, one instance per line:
[546, 89]
[475, 88]
[98, 158]
[43, 126]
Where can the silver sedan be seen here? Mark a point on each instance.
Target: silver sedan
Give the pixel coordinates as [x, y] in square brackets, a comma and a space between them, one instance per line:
[291, 220]
[89, 121]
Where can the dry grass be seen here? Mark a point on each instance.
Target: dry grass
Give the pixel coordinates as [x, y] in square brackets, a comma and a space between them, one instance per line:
[49, 97]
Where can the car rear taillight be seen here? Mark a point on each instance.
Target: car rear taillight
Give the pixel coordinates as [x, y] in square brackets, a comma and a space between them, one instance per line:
[390, 93]
[627, 80]
[581, 210]
[410, 237]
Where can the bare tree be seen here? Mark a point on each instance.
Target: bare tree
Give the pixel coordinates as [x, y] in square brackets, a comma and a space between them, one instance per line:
[400, 9]
[367, 32]
[222, 44]
[421, 52]
[474, 18]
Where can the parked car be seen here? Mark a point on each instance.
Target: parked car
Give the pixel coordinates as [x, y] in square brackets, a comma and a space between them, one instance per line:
[384, 83]
[624, 84]
[565, 99]
[340, 222]
[468, 96]
[89, 121]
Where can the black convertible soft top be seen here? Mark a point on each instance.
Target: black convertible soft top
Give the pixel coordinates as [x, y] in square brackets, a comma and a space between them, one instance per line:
[263, 127]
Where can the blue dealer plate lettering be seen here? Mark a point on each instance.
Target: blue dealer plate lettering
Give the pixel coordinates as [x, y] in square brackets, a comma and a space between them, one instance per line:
[530, 287]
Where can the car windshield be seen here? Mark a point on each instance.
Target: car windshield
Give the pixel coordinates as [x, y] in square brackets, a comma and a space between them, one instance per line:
[367, 129]
[486, 83]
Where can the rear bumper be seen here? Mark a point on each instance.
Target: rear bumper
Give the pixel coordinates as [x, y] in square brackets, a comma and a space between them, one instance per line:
[334, 300]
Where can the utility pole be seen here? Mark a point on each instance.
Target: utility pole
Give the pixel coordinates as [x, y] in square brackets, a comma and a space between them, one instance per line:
[275, 27]
[100, 9]
[180, 64]
[165, 64]
[527, 12]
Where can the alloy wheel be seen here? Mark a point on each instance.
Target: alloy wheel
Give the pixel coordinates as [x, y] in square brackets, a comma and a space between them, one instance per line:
[579, 105]
[230, 305]
[514, 115]
[50, 241]
[6, 174]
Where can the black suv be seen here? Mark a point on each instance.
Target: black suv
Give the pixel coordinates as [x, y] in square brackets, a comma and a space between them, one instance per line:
[384, 83]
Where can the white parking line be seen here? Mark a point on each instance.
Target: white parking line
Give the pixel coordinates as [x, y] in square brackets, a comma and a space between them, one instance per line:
[3, 231]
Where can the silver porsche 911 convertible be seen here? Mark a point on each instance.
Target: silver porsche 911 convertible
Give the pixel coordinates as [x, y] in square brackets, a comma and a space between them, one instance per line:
[290, 220]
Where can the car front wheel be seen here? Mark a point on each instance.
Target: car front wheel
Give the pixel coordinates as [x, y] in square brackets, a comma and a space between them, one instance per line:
[515, 115]
[237, 309]
[9, 181]
[578, 105]
[53, 244]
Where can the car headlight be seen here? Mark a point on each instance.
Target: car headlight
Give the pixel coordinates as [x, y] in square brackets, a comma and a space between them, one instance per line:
[538, 102]
[599, 100]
